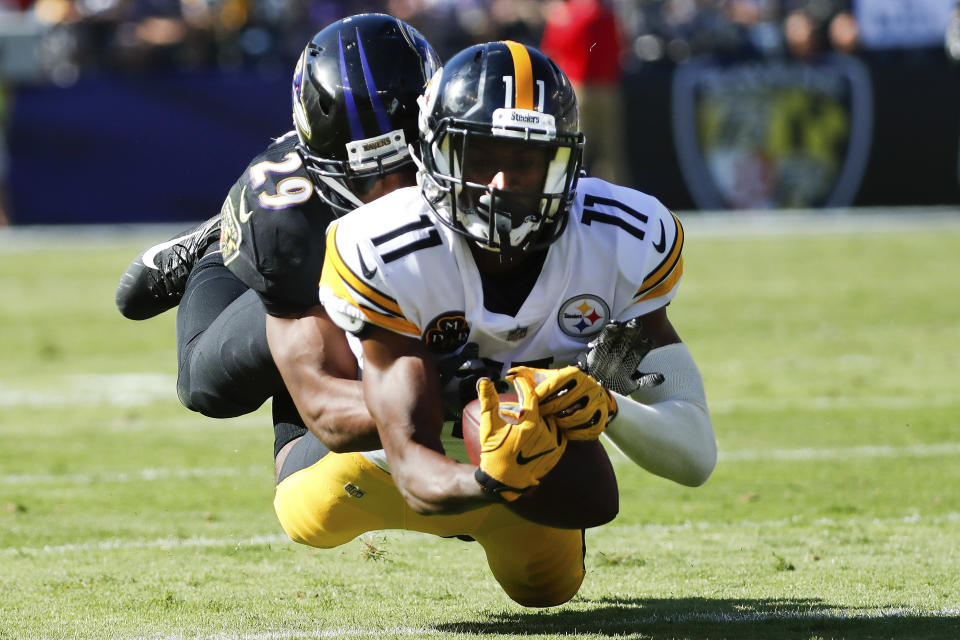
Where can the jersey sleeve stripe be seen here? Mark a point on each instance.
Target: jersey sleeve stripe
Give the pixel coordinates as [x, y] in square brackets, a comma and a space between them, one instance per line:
[667, 265]
[665, 286]
[349, 279]
[400, 325]
[343, 283]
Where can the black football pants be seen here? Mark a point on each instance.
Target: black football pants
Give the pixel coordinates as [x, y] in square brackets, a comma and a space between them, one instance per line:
[224, 364]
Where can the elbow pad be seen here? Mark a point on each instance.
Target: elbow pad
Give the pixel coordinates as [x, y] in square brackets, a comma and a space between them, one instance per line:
[666, 429]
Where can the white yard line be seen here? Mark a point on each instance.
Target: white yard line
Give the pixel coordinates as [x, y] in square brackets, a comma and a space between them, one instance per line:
[740, 224]
[142, 389]
[275, 538]
[120, 389]
[843, 453]
[158, 543]
[337, 632]
[139, 475]
[832, 403]
[630, 623]
[742, 455]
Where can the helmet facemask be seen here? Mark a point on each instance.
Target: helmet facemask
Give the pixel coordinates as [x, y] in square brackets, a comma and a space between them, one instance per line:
[510, 222]
[341, 183]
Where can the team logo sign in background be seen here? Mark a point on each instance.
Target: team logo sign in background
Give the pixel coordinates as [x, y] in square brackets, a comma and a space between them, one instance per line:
[764, 134]
[583, 316]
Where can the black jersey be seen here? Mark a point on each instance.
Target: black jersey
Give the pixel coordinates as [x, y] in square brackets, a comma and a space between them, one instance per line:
[272, 229]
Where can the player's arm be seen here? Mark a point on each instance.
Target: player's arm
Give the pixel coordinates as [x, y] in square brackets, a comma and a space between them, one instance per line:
[666, 429]
[320, 372]
[402, 391]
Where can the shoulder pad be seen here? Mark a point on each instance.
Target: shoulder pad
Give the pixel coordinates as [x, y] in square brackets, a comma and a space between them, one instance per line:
[646, 237]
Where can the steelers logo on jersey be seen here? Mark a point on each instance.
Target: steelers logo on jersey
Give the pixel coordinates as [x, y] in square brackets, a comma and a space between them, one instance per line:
[583, 316]
[447, 332]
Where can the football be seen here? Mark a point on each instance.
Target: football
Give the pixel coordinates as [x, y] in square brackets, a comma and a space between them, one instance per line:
[580, 492]
[471, 425]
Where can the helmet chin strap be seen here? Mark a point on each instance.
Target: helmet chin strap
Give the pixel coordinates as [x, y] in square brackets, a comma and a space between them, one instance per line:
[341, 190]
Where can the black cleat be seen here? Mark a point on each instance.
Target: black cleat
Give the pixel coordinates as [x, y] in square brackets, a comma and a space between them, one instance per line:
[156, 279]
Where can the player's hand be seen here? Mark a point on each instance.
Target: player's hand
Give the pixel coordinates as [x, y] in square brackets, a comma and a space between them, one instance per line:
[614, 357]
[575, 400]
[517, 446]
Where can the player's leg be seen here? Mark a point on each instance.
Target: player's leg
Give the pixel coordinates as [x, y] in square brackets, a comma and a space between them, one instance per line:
[290, 451]
[225, 366]
[341, 496]
[335, 499]
[537, 566]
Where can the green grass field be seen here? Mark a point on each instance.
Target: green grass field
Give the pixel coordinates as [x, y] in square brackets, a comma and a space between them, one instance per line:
[832, 366]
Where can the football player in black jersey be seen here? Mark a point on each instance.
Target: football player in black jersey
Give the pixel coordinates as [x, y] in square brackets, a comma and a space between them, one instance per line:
[253, 270]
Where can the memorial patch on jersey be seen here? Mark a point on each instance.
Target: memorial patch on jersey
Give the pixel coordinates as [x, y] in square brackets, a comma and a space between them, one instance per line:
[583, 316]
[447, 332]
[230, 232]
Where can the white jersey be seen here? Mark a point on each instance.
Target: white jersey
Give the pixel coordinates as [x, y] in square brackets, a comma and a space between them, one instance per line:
[391, 264]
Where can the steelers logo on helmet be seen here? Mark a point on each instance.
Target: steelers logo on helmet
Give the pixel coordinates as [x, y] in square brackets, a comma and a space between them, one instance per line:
[583, 316]
[501, 147]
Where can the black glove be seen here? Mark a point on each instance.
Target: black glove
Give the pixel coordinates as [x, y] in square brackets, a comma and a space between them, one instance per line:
[459, 373]
[614, 356]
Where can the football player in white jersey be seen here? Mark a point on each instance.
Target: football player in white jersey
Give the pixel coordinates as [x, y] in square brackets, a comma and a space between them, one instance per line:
[504, 246]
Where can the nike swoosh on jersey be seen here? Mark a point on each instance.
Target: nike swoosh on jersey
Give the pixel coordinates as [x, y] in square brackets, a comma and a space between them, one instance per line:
[522, 459]
[150, 254]
[368, 273]
[244, 213]
[661, 245]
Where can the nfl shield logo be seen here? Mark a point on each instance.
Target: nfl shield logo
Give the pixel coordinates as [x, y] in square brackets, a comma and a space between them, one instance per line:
[517, 334]
[771, 134]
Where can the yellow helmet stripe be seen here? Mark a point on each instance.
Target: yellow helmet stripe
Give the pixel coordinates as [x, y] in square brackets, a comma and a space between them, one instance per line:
[523, 74]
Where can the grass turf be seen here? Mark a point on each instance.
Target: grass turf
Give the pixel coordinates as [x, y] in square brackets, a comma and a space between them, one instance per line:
[830, 362]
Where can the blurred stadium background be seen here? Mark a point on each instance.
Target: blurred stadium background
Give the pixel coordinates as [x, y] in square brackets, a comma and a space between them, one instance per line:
[147, 110]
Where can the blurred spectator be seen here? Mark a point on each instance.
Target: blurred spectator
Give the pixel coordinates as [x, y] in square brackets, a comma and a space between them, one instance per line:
[844, 33]
[801, 35]
[582, 37]
[952, 35]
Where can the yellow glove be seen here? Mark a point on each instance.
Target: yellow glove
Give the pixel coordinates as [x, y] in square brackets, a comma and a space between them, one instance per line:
[517, 446]
[580, 406]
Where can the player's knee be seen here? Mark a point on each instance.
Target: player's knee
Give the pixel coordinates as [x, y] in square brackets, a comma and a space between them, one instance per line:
[545, 595]
[201, 402]
[305, 521]
[213, 405]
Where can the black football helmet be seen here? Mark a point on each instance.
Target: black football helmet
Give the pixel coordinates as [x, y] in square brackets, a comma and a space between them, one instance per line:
[355, 92]
[502, 91]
